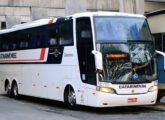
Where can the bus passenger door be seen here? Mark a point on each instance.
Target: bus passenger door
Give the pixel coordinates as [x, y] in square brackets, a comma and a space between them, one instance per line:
[85, 56]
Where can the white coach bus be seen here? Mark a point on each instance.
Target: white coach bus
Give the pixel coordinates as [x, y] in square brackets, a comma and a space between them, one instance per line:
[98, 59]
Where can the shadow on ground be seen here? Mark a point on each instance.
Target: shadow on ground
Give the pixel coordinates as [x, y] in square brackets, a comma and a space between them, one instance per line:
[114, 110]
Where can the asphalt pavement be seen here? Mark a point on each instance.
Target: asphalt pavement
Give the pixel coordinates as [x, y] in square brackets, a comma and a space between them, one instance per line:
[29, 108]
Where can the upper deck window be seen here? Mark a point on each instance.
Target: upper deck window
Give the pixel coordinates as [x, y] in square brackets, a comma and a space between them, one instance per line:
[121, 29]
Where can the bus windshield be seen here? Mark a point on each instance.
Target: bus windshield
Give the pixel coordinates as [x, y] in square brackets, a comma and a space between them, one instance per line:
[128, 63]
[108, 28]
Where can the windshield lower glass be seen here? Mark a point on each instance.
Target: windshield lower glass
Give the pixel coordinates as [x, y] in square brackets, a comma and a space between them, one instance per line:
[108, 28]
[128, 63]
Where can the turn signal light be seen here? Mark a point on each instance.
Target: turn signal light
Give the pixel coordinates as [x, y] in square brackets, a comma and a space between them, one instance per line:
[100, 71]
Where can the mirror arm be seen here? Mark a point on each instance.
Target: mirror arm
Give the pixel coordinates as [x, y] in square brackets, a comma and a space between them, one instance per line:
[163, 54]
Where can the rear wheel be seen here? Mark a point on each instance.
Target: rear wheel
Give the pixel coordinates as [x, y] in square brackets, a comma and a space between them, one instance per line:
[70, 98]
[7, 88]
[14, 90]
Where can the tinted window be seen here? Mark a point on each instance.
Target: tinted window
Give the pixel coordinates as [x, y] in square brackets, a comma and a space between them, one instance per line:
[5, 40]
[33, 40]
[24, 40]
[39, 37]
[53, 35]
[66, 33]
[84, 32]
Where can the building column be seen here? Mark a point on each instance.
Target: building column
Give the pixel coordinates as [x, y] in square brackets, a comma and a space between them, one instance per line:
[75, 6]
[140, 7]
[131, 6]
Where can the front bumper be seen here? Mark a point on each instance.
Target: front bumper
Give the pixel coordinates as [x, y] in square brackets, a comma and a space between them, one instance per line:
[112, 100]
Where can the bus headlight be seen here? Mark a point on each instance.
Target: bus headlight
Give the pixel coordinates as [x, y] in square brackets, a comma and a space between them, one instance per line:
[153, 88]
[106, 90]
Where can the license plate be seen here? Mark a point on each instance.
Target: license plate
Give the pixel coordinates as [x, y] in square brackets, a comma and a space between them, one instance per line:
[132, 99]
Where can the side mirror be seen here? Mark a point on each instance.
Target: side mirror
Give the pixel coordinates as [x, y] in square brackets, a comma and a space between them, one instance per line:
[98, 59]
[163, 54]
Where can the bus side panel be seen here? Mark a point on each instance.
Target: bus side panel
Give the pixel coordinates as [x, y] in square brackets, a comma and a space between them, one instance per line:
[10, 72]
[70, 71]
[41, 80]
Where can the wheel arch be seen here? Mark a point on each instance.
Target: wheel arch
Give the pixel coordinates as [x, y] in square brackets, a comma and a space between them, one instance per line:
[14, 82]
[6, 82]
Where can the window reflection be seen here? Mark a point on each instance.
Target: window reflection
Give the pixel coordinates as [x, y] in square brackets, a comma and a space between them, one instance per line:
[121, 28]
[126, 60]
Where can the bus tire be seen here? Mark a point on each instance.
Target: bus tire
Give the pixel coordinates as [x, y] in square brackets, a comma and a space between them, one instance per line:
[7, 88]
[14, 90]
[70, 98]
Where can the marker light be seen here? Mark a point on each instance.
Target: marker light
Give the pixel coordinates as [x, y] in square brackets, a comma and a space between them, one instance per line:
[115, 55]
[106, 90]
[100, 71]
[153, 88]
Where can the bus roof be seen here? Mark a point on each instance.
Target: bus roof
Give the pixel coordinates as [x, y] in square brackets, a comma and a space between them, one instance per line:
[77, 15]
[106, 14]
[28, 25]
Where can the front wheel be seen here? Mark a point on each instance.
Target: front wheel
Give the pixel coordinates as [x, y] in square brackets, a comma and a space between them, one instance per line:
[70, 98]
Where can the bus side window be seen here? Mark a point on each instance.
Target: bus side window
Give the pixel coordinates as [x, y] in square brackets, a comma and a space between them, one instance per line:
[33, 40]
[5, 45]
[16, 40]
[39, 38]
[25, 39]
[66, 33]
[42, 38]
[53, 34]
[11, 40]
[46, 38]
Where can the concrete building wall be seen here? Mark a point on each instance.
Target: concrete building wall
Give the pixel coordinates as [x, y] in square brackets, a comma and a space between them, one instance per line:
[75, 6]
[153, 6]
[132, 6]
[16, 11]
[103, 5]
[156, 23]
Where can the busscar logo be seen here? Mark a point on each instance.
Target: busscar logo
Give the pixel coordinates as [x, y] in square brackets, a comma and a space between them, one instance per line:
[8, 55]
[131, 86]
[56, 53]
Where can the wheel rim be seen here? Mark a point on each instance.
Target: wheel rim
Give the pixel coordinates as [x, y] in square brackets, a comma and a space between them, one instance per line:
[71, 97]
[15, 90]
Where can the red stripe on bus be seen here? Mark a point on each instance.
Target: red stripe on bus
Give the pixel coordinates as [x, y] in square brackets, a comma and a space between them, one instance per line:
[51, 21]
[42, 56]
